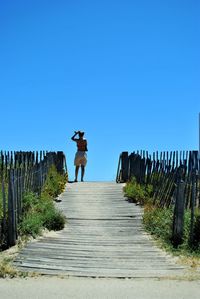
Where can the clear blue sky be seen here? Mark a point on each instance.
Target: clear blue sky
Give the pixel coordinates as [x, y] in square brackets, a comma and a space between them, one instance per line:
[125, 72]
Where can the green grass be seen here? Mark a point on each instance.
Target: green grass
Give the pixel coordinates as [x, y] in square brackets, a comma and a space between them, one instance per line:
[6, 270]
[55, 183]
[39, 212]
[159, 221]
[139, 193]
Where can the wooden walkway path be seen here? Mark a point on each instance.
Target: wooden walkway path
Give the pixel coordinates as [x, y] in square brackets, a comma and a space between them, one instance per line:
[104, 237]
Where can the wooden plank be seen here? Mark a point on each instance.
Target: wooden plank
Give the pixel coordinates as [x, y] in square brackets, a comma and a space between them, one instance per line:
[104, 237]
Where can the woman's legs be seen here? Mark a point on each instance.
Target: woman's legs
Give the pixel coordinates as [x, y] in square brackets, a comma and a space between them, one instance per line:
[76, 173]
[82, 172]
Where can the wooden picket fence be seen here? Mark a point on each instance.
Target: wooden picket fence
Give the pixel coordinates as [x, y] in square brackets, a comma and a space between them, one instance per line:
[22, 172]
[175, 177]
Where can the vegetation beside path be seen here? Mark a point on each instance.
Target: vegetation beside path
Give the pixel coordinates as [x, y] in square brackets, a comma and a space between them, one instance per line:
[39, 210]
[159, 221]
[39, 214]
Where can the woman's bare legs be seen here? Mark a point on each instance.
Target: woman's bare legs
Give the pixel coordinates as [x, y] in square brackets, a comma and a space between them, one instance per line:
[76, 174]
[82, 172]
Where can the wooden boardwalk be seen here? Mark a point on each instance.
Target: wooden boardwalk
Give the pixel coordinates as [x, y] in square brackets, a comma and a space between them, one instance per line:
[103, 237]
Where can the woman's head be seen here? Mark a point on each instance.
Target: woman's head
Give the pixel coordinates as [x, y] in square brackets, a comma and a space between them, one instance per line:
[81, 134]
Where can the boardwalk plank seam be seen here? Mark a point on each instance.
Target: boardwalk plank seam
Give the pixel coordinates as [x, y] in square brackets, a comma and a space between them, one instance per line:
[103, 237]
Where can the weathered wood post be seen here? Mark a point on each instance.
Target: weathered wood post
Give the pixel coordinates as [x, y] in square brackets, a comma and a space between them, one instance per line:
[178, 220]
[59, 159]
[4, 212]
[124, 166]
[118, 179]
[131, 165]
[11, 211]
[193, 203]
[142, 170]
[19, 182]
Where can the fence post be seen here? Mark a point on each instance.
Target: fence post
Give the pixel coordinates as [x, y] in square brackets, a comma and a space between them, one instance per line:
[118, 171]
[4, 231]
[11, 212]
[125, 166]
[178, 220]
[131, 165]
[193, 199]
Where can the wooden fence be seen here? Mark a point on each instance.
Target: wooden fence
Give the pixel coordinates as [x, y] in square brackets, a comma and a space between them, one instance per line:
[22, 172]
[175, 178]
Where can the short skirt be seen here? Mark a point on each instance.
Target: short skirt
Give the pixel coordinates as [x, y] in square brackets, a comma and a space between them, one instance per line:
[80, 158]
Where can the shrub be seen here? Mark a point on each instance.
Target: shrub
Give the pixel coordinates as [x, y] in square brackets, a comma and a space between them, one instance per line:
[139, 193]
[30, 200]
[52, 218]
[31, 224]
[40, 213]
[196, 235]
[55, 183]
[158, 221]
[7, 270]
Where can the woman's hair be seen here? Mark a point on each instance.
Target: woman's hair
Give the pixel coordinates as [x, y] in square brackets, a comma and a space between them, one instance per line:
[81, 134]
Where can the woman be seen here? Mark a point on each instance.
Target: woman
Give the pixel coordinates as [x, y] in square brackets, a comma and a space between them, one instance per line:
[81, 156]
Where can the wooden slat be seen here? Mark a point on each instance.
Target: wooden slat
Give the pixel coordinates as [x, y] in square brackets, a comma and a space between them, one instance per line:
[103, 237]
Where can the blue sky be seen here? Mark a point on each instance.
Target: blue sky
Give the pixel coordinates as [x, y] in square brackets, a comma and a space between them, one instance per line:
[125, 72]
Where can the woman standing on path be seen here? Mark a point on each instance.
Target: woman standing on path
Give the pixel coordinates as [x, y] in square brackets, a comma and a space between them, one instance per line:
[81, 156]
